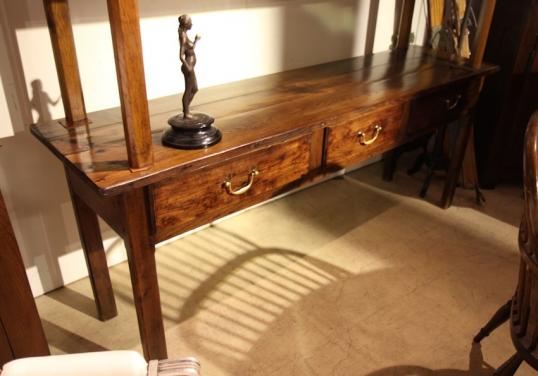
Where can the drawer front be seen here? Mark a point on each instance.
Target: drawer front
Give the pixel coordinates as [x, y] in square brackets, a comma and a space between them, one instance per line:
[435, 109]
[184, 203]
[356, 140]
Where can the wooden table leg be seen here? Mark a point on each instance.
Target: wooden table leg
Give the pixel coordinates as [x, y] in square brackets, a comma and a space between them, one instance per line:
[92, 243]
[456, 161]
[141, 255]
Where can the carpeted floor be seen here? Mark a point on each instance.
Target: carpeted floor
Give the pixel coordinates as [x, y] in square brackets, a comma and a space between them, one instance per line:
[355, 276]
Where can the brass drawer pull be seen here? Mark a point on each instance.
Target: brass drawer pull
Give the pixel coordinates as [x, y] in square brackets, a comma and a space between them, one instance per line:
[452, 105]
[245, 188]
[362, 136]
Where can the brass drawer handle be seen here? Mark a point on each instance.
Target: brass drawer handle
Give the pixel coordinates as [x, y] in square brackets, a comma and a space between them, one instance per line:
[454, 104]
[245, 188]
[362, 136]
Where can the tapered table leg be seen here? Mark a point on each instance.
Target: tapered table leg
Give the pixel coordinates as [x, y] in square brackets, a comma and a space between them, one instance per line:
[456, 162]
[141, 255]
[92, 243]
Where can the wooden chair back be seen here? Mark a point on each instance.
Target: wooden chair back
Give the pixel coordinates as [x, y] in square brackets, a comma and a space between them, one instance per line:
[524, 315]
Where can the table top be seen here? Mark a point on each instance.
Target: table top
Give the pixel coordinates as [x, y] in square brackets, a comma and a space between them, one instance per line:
[251, 113]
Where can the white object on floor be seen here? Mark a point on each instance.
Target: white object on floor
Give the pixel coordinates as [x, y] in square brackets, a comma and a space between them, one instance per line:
[107, 363]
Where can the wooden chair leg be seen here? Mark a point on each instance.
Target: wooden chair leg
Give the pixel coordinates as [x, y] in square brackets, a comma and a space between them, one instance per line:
[499, 318]
[510, 367]
[92, 243]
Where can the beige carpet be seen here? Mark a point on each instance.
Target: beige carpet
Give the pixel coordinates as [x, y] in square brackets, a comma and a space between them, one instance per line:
[352, 277]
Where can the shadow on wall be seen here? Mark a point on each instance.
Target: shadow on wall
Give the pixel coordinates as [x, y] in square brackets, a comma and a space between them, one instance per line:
[313, 32]
[41, 101]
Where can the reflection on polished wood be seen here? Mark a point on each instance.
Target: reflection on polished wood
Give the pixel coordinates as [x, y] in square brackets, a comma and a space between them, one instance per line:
[292, 127]
[255, 112]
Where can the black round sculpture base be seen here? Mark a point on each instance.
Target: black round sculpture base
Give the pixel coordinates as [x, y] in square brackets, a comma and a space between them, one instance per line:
[196, 133]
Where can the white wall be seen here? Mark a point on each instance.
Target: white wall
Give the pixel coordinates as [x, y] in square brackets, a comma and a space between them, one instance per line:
[241, 39]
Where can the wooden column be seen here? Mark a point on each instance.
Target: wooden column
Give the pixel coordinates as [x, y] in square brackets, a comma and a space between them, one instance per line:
[125, 25]
[406, 21]
[481, 38]
[21, 333]
[372, 26]
[63, 45]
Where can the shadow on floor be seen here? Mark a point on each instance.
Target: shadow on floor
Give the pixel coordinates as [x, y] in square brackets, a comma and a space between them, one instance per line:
[504, 203]
[74, 300]
[69, 342]
[477, 367]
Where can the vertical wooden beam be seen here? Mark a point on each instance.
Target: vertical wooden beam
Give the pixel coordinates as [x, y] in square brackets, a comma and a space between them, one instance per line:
[18, 313]
[125, 25]
[372, 26]
[406, 21]
[63, 46]
[6, 354]
[481, 38]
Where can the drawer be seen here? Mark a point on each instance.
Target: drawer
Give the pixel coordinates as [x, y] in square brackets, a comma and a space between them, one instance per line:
[435, 109]
[356, 140]
[181, 204]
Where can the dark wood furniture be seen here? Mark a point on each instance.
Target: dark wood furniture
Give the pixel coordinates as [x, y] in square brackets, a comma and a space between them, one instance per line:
[279, 132]
[509, 98]
[21, 333]
[522, 310]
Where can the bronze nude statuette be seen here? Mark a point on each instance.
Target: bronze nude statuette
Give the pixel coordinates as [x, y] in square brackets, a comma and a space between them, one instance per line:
[190, 130]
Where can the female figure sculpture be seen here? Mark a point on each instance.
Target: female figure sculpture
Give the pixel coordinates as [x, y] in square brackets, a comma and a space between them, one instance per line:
[187, 57]
[188, 130]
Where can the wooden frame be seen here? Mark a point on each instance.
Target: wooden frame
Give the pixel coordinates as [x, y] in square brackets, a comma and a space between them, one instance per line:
[21, 333]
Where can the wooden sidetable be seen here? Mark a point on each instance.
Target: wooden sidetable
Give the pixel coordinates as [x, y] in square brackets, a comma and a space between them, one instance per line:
[279, 132]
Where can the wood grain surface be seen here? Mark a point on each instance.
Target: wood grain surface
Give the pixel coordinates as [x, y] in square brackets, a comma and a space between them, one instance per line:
[182, 203]
[253, 114]
[65, 56]
[20, 324]
[125, 26]
[432, 110]
[343, 142]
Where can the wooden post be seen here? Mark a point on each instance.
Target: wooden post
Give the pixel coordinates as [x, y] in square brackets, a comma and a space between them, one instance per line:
[372, 25]
[21, 333]
[63, 46]
[125, 25]
[479, 46]
[406, 21]
[481, 38]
